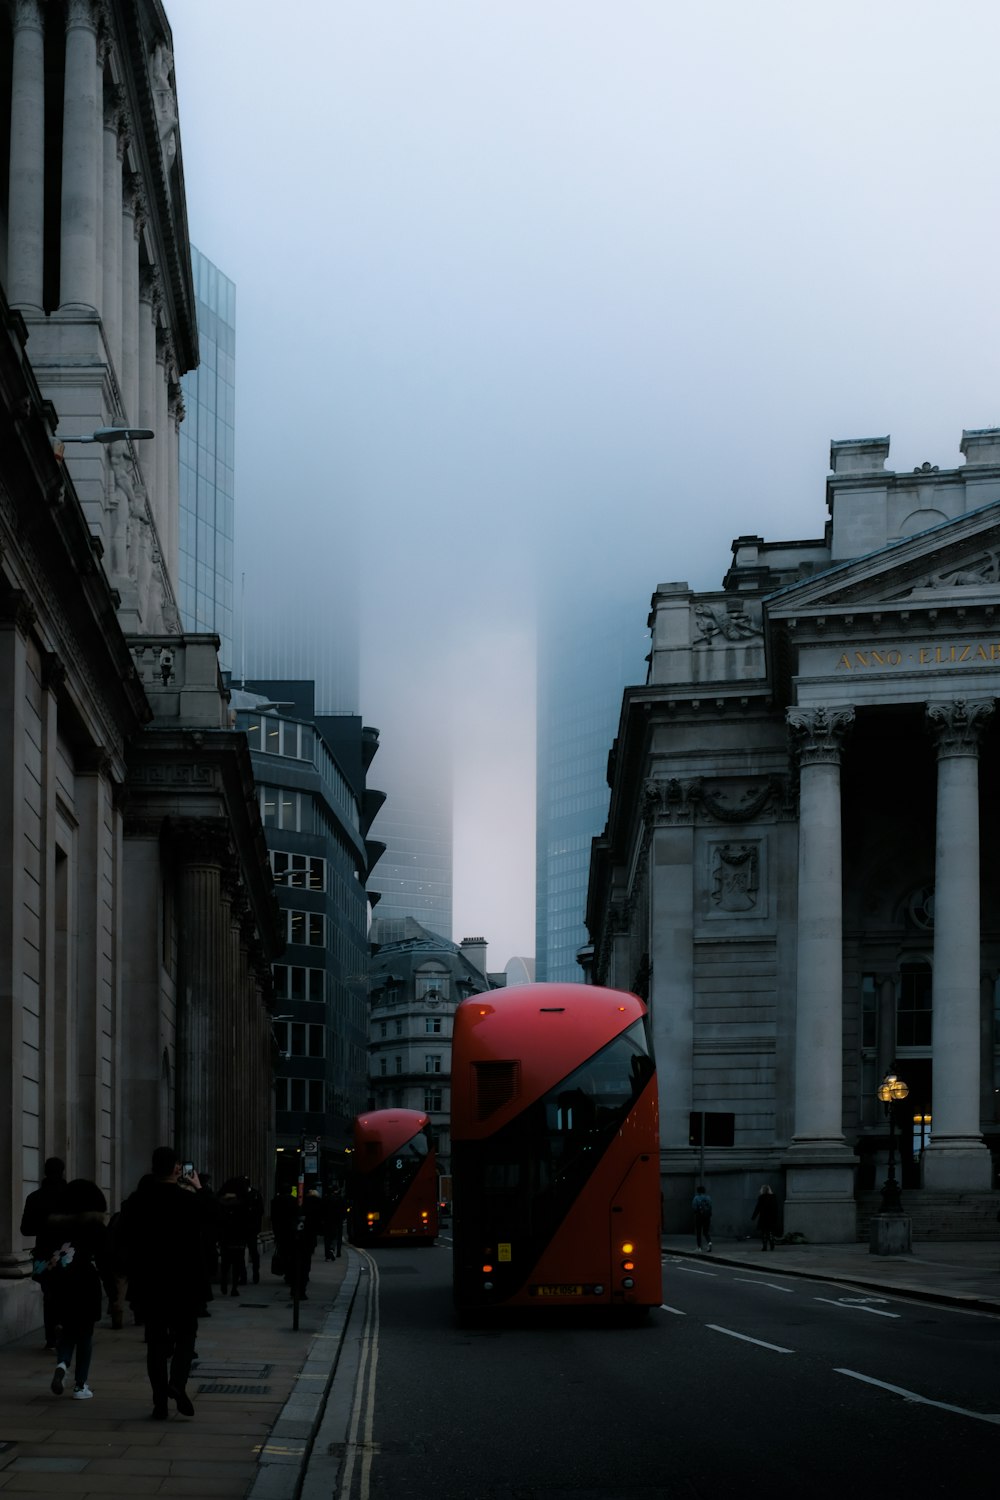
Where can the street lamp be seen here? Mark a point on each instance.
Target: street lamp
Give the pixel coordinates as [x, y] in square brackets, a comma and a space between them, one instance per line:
[108, 435]
[889, 1091]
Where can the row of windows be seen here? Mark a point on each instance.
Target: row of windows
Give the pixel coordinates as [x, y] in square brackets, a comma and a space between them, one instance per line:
[432, 1064]
[432, 1026]
[433, 1104]
[292, 982]
[300, 1095]
[298, 871]
[307, 927]
[300, 1038]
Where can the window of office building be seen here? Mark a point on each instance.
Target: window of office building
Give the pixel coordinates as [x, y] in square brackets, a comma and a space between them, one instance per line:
[303, 872]
[300, 1095]
[432, 1025]
[281, 808]
[432, 1062]
[293, 982]
[307, 927]
[300, 1038]
[432, 1100]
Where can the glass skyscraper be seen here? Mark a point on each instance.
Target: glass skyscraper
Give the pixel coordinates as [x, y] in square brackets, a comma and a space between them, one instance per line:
[207, 464]
[415, 873]
[583, 667]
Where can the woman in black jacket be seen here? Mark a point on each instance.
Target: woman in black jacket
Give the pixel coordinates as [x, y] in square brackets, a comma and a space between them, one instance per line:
[72, 1260]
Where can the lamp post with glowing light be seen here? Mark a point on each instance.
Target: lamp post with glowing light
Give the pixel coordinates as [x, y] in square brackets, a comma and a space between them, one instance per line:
[889, 1091]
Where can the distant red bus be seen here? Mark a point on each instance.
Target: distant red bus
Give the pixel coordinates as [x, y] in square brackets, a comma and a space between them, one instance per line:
[555, 1150]
[392, 1188]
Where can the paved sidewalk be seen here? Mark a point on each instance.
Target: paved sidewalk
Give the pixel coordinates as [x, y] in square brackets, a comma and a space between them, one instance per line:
[254, 1375]
[966, 1273]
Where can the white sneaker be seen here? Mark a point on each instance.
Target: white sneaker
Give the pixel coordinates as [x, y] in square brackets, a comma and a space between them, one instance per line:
[57, 1380]
[83, 1393]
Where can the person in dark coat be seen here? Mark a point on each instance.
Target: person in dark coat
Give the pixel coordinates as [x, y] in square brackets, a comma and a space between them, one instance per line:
[233, 1218]
[255, 1211]
[72, 1261]
[162, 1232]
[37, 1207]
[766, 1213]
[334, 1208]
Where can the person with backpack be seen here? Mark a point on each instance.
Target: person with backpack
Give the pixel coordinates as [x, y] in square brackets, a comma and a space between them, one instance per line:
[72, 1261]
[701, 1206]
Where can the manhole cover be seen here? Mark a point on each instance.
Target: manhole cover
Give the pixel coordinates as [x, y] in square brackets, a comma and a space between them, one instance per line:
[234, 1390]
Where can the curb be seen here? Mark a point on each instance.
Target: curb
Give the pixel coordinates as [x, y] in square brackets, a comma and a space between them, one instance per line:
[285, 1456]
[846, 1278]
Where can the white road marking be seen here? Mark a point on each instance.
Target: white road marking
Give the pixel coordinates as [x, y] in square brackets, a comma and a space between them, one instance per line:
[692, 1272]
[752, 1280]
[855, 1306]
[898, 1390]
[367, 1366]
[730, 1333]
[675, 1310]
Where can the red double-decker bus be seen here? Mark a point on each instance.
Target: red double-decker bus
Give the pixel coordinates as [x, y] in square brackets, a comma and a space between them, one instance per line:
[555, 1151]
[392, 1188]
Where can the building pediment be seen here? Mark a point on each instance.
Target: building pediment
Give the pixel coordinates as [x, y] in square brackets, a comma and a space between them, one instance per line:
[952, 566]
[918, 621]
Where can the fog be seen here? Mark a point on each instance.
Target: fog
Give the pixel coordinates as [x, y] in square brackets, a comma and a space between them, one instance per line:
[559, 296]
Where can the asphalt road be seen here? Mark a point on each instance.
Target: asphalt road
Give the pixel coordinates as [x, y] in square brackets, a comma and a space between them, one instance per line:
[744, 1384]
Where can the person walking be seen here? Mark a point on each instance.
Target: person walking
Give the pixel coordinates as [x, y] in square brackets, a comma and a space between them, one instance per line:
[37, 1207]
[233, 1232]
[162, 1232]
[766, 1213]
[255, 1213]
[333, 1223]
[72, 1262]
[701, 1207]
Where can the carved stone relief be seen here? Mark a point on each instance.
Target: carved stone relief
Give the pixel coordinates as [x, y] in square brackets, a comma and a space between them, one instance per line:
[735, 877]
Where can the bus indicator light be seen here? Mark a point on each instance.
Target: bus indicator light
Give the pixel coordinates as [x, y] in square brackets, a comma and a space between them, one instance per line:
[487, 1270]
[628, 1265]
[628, 1247]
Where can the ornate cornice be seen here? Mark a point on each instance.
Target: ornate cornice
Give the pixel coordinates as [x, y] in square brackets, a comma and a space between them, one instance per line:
[818, 734]
[673, 801]
[957, 727]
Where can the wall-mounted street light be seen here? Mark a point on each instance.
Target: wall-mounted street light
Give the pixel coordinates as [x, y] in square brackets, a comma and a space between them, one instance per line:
[108, 435]
[890, 1090]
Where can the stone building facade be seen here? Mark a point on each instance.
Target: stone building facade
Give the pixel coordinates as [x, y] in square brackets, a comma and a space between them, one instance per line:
[796, 868]
[137, 912]
[416, 980]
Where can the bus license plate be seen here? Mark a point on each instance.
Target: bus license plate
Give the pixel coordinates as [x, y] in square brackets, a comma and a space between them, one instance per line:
[557, 1291]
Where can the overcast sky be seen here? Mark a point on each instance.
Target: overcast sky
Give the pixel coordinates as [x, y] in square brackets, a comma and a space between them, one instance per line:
[564, 295]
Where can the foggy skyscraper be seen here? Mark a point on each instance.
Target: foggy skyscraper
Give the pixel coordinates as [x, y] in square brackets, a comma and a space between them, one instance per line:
[207, 463]
[583, 667]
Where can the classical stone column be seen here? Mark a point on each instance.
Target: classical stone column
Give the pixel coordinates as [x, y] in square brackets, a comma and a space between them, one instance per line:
[669, 815]
[26, 213]
[171, 501]
[148, 370]
[819, 1168]
[203, 850]
[162, 427]
[957, 1157]
[131, 228]
[111, 262]
[81, 154]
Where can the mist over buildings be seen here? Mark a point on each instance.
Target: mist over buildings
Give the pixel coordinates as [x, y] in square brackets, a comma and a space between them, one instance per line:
[546, 301]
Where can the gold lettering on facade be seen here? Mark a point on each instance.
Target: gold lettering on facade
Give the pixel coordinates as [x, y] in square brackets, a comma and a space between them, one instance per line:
[920, 656]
